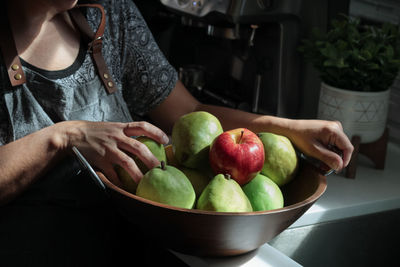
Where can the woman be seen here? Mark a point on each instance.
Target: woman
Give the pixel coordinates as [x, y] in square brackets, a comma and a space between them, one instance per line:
[64, 104]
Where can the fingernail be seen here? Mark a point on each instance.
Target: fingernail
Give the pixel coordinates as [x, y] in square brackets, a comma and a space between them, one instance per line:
[166, 139]
[336, 168]
[338, 171]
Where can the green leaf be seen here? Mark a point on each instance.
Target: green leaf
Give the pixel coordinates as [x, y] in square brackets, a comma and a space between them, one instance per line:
[365, 55]
[373, 66]
[389, 51]
[329, 51]
[341, 45]
[329, 63]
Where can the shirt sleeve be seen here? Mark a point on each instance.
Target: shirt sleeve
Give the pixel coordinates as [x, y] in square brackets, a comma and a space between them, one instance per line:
[145, 75]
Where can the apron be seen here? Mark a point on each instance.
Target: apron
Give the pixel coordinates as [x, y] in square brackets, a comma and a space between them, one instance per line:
[63, 219]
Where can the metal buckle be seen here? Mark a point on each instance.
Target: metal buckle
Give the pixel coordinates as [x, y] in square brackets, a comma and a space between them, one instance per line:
[90, 45]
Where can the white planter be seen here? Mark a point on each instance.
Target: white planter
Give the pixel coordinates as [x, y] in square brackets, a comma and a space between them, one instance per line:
[361, 113]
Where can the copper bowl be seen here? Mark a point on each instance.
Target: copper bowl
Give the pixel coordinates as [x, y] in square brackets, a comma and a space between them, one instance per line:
[206, 233]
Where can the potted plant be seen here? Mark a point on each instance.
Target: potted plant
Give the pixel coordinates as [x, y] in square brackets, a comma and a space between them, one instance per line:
[357, 65]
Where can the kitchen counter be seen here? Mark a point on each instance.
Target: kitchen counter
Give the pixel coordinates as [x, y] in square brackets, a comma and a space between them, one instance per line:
[371, 191]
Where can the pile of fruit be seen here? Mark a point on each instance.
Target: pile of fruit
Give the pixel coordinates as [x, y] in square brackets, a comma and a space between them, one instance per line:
[209, 169]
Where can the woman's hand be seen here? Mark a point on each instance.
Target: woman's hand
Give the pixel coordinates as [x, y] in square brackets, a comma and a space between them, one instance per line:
[313, 137]
[105, 144]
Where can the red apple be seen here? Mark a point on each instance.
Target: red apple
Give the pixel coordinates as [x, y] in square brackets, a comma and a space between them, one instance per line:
[239, 153]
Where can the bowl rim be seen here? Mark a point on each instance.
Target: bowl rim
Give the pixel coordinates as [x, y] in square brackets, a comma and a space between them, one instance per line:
[322, 185]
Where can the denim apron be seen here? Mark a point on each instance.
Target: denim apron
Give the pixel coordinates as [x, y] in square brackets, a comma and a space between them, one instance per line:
[63, 219]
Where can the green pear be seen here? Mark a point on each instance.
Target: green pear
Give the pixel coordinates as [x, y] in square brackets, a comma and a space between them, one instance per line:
[223, 194]
[168, 185]
[171, 160]
[156, 148]
[192, 136]
[158, 151]
[127, 181]
[263, 193]
[281, 162]
[198, 179]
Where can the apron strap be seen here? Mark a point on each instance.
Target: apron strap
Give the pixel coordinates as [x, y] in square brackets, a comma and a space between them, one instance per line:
[13, 64]
[95, 40]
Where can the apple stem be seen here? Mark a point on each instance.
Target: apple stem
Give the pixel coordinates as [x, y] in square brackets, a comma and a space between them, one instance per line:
[241, 135]
[227, 176]
[163, 165]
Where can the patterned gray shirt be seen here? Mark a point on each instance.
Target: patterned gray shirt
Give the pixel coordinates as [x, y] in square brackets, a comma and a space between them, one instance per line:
[141, 72]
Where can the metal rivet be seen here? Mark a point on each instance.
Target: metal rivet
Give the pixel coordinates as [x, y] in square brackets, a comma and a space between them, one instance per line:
[105, 75]
[110, 84]
[15, 66]
[17, 76]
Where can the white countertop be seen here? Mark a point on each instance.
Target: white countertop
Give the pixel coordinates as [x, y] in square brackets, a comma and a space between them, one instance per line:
[371, 191]
[265, 256]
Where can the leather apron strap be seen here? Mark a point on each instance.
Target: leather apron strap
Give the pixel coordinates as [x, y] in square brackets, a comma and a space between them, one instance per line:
[94, 39]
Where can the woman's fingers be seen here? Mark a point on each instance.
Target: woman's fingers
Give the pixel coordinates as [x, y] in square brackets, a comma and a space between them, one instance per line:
[111, 175]
[329, 157]
[132, 169]
[345, 146]
[126, 162]
[338, 139]
[139, 149]
[147, 129]
[317, 138]
[106, 144]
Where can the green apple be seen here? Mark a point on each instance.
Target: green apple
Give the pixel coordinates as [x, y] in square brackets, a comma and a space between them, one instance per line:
[168, 185]
[263, 193]
[281, 162]
[158, 151]
[192, 136]
[223, 194]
